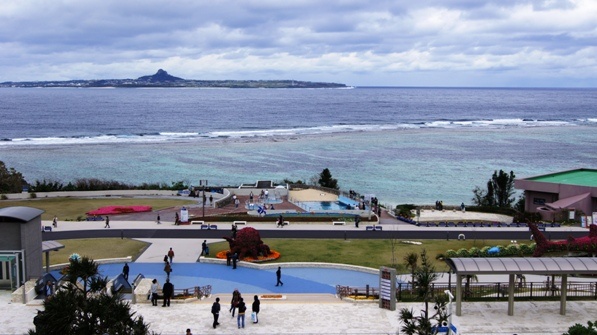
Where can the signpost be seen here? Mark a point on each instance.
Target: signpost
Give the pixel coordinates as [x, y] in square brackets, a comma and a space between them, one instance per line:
[387, 288]
[203, 183]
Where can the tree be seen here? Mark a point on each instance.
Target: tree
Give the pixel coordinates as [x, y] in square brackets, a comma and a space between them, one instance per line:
[411, 260]
[326, 180]
[82, 306]
[499, 192]
[11, 181]
[579, 329]
[424, 324]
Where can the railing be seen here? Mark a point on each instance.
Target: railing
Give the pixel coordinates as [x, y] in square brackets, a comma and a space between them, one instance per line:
[487, 291]
[347, 291]
[198, 292]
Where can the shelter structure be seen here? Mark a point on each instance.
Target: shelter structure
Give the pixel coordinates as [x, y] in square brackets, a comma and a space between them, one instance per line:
[553, 195]
[559, 266]
[20, 245]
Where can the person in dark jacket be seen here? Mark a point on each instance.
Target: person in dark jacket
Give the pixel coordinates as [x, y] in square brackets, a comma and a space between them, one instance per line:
[279, 276]
[168, 292]
[234, 302]
[240, 318]
[215, 310]
[255, 309]
[125, 271]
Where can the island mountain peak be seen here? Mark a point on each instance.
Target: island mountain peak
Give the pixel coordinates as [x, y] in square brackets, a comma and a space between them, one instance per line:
[160, 77]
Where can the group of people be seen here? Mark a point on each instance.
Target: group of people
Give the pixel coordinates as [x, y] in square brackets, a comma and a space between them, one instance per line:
[167, 292]
[237, 302]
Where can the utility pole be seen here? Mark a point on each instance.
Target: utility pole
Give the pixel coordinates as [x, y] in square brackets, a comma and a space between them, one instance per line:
[203, 183]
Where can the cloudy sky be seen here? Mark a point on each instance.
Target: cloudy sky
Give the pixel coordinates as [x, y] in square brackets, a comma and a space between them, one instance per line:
[511, 43]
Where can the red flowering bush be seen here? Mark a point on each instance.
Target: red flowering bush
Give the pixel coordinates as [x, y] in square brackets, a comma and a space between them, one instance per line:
[248, 243]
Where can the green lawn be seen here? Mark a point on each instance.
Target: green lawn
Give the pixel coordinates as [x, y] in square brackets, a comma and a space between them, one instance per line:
[369, 253]
[72, 208]
[97, 248]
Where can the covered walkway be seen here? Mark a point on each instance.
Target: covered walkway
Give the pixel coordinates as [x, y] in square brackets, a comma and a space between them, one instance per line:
[558, 266]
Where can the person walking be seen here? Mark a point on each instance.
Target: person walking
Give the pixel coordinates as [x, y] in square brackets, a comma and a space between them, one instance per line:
[215, 310]
[255, 309]
[167, 269]
[107, 222]
[154, 292]
[204, 249]
[171, 255]
[176, 218]
[159, 219]
[55, 222]
[168, 292]
[125, 271]
[188, 332]
[234, 301]
[240, 318]
[279, 276]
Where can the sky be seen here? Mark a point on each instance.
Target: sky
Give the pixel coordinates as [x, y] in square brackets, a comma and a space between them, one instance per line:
[451, 43]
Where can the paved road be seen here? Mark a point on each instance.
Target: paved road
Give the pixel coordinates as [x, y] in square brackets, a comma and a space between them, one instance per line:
[311, 232]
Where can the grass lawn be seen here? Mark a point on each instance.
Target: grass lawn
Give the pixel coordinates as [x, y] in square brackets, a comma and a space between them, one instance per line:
[369, 253]
[97, 248]
[73, 208]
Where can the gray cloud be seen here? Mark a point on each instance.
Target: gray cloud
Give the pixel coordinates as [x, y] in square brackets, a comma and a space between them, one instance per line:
[437, 42]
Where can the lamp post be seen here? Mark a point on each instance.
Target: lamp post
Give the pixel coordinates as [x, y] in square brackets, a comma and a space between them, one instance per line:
[203, 183]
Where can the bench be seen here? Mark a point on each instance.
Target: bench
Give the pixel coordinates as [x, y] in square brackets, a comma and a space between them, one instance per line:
[47, 228]
[374, 228]
[209, 227]
[240, 222]
[198, 222]
[338, 223]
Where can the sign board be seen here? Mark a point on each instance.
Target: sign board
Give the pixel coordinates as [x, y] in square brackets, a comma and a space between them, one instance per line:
[571, 213]
[387, 288]
[184, 215]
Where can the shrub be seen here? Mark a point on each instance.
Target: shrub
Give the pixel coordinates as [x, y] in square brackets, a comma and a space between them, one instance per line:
[511, 250]
[3, 197]
[450, 253]
[484, 251]
[33, 195]
[525, 250]
[474, 252]
[462, 252]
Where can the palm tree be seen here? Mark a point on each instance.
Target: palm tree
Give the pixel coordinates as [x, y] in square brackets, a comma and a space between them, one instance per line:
[424, 276]
[82, 306]
[411, 260]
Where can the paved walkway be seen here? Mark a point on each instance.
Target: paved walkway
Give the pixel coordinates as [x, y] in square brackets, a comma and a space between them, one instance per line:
[307, 313]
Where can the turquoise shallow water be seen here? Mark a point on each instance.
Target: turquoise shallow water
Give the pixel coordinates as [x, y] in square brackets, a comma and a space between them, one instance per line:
[400, 166]
[405, 145]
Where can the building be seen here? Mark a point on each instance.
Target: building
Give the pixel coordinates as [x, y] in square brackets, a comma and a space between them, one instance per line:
[556, 195]
[20, 245]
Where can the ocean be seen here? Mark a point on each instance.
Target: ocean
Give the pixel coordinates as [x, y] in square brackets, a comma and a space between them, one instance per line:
[405, 145]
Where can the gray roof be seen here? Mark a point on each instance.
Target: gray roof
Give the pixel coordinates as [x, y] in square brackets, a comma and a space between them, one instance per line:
[523, 265]
[19, 213]
[50, 246]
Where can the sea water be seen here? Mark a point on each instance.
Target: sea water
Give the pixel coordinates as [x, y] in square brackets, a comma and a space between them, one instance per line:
[405, 145]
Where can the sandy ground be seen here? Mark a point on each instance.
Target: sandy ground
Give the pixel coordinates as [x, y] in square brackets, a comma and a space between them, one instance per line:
[311, 195]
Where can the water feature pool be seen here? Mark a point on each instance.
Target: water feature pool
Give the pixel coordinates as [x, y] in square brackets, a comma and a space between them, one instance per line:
[224, 279]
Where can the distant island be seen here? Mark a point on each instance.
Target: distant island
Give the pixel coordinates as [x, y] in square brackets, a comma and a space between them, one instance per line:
[163, 79]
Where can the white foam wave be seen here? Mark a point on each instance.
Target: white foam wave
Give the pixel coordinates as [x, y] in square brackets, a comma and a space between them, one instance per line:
[260, 133]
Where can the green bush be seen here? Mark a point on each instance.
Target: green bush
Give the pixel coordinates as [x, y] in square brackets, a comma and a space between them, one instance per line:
[484, 251]
[462, 253]
[33, 195]
[451, 253]
[3, 197]
[511, 250]
[474, 252]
